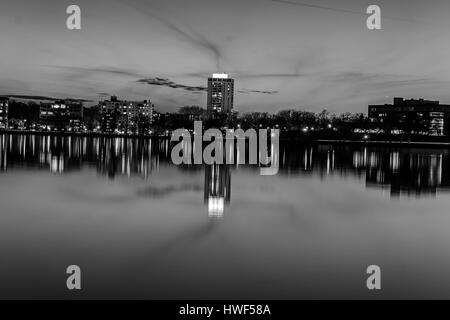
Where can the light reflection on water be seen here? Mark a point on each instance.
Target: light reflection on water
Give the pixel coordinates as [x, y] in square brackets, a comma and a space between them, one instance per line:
[142, 227]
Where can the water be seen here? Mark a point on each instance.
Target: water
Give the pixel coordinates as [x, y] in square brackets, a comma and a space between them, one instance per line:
[140, 227]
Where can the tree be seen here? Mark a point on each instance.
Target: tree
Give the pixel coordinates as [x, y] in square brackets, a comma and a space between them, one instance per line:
[193, 112]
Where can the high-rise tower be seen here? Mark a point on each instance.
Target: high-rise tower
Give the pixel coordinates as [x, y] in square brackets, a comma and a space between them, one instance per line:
[220, 93]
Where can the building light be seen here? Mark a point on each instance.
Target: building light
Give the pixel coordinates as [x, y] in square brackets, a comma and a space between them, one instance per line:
[216, 206]
[220, 76]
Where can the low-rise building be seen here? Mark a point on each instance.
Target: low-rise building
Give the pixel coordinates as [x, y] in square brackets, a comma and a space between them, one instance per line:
[412, 116]
[4, 110]
[62, 115]
[109, 114]
[127, 117]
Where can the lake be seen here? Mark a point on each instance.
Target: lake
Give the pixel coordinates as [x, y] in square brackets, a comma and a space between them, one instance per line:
[141, 227]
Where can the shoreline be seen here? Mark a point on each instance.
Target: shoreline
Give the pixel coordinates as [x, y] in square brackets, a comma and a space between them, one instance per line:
[84, 134]
[429, 144]
[386, 143]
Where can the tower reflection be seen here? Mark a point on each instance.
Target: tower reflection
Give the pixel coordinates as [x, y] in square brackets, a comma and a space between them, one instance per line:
[3, 152]
[217, 189]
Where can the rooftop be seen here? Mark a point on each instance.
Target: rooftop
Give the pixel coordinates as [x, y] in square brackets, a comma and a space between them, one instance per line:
[220, 76]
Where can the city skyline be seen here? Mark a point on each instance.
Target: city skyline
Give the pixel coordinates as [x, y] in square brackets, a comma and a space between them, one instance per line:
[317, 56]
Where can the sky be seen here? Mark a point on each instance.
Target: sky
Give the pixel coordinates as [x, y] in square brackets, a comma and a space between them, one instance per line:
[294, 54]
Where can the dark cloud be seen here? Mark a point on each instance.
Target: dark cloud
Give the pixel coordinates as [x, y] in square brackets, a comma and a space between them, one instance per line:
[44, 98]
[384, 80]
[105, 70]
[244, 75]
[170, 84]
[75, 100]
[257, 91]
[194, 89]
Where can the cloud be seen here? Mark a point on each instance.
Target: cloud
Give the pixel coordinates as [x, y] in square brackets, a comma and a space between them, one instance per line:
[192, 36]
[194, 89]
[362, 13]
[105, 70]
[295, 68]
[257, 91]
[270, 75]
[318, 7]
[44, 98]
[382, 80]
[170, 84]
[245, 75]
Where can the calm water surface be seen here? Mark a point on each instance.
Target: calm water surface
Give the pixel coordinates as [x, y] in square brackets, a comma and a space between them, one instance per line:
[140, 227]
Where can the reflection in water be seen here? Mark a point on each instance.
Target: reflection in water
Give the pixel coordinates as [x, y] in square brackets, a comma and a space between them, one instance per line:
[111, 157]
[405, 171]
[3, 152]
[415, 173]
[217, 189]
[302, 234]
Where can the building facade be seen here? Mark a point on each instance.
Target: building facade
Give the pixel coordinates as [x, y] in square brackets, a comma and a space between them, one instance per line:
[76, 115]
[220, 94]
[62, 115]
[127, 117]
[109, 114]
[413, 117]
[4, 110]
